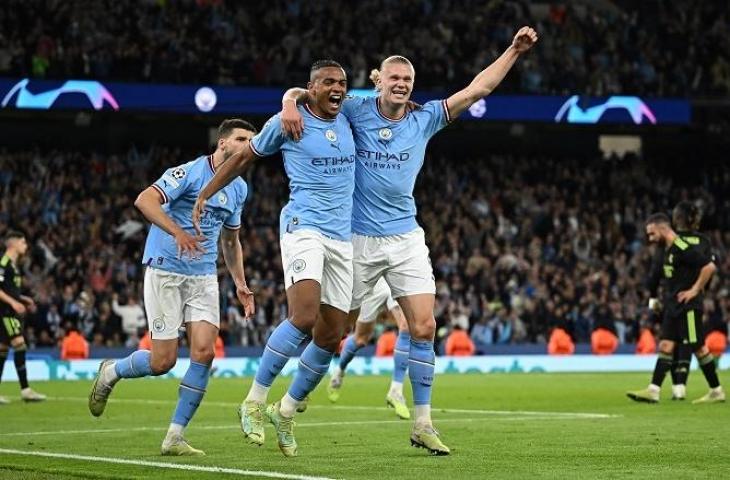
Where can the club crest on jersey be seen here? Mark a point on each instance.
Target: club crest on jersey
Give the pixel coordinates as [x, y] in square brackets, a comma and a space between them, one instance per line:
[385, 133]
[158, 325]
[331, 135]
[178, 173]
[222, 199]
[298, 265]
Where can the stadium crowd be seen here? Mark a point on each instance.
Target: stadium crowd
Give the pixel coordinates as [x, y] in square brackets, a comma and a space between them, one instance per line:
[519, 245]
[589, 48]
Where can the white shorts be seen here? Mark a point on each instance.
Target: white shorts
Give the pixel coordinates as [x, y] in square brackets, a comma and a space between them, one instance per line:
[309, 255]
[375, 302]
[402, 259]
[172, 299]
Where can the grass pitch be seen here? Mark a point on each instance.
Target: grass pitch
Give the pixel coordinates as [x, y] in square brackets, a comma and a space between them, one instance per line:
[497, 425]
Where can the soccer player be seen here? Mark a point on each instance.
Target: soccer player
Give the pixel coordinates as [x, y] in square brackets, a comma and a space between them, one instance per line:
[688, 266]
[13, 306]
[181, 283]
[316, 252]
[388, 242]
[682, 356]
[376, 302]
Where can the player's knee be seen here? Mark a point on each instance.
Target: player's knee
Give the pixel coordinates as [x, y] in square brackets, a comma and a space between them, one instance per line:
[362, 339]
[424, 329]
[304, 320]
[702, 351]
[17, 342]
[163, 364]
[666, 346]
[203, 355]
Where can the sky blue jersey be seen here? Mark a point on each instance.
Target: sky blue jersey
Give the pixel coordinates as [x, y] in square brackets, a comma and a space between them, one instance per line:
[390, 154]
[321, 171]
[179, 187]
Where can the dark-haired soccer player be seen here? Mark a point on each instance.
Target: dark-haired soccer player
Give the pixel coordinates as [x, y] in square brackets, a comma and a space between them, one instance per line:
[387, 240]
[316, 252]
[13, 306]
[688, 266]
[181, 281]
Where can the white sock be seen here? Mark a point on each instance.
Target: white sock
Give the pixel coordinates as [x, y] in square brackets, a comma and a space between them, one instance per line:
[396, 388]
[338, 372]
[654, 388]
[717, 389]
[175, 429]
[258, 393]
[423, 414]
[109, 375]
[288, 406]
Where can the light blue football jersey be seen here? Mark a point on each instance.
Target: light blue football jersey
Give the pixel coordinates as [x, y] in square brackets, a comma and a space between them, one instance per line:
[180, 186]
[390, 154]
[321, 171]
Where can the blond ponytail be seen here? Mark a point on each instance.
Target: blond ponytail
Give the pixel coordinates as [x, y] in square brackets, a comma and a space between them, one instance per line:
[375, 76]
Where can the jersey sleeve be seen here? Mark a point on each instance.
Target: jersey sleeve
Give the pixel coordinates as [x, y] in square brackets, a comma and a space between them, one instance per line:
[351, 106]
[436, 114]
[270, 139]
[233, 222]
[174, 182]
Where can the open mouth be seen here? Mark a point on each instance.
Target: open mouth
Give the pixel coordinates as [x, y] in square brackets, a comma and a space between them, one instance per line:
[398, 93]
[335, 100]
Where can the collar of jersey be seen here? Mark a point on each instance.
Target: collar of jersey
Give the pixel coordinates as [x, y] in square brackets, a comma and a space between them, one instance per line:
[210, 163]
[309, 111]
[380, 112]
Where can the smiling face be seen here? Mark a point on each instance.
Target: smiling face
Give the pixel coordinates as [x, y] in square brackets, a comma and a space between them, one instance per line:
[395, 83]
[327, 87]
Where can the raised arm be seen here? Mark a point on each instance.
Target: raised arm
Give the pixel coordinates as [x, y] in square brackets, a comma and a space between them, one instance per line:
[292, 123]
[489, 78]
[233, 256]
[231, 168]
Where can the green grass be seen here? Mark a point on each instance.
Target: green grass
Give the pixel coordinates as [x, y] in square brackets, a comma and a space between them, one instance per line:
[669, 440]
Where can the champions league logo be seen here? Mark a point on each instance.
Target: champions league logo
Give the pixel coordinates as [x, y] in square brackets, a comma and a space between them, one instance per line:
[331, 135]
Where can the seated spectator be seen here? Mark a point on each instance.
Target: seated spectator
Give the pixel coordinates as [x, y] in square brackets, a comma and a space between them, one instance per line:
[458, 343]
[560, 343]
[603, 342]
[482, 335]
[74, 346]
[385, 345]
[647, 342]
[716, 342]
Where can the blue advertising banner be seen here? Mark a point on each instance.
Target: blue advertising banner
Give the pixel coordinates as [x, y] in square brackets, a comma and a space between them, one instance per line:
[246, 366]
[224, 100]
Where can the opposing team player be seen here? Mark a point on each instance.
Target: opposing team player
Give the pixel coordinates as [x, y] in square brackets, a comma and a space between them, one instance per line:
[316, 252]
[391, 144]
[181, 284]
[13, 307]
[376, 302]
[688, 266]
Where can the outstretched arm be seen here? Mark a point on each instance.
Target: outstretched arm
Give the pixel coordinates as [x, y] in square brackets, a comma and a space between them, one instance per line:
[233, 256]
[231, 168]
[292, 123]
[489, 78]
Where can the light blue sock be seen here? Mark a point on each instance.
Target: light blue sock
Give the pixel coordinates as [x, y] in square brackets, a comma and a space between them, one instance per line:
[400, 356]
[135, 365]
[313, 365]
[190, 393]
[282, 344]
[349, 349]
[421, 362]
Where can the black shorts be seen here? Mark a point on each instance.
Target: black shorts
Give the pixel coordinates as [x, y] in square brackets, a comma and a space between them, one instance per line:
[10, 327]
[683, 327]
